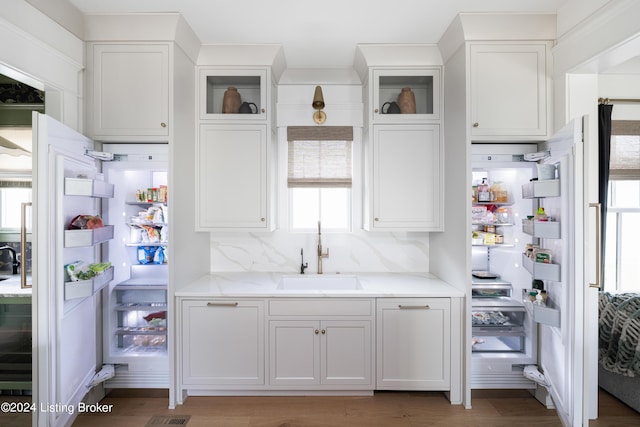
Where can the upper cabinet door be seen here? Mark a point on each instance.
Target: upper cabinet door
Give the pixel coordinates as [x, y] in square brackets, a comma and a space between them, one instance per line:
[233, 178]
[406, 179]
[129, 89]
[509, 93]
[248, 86]
[391, 86]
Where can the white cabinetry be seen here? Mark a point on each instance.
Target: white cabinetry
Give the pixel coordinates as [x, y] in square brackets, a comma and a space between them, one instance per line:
[128, 86]
[321, 344]
[387, 84]
[414, 344]
[405, 178]
[233, 188]
[509, 90]
[403, 158]
[236, 164]
[251, 85]
[222, 343]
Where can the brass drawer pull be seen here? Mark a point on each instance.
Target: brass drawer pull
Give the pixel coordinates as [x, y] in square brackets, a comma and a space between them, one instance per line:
[222, 304]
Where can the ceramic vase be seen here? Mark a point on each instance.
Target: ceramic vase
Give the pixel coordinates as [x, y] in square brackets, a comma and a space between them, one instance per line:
[231, 101]
[407, 101]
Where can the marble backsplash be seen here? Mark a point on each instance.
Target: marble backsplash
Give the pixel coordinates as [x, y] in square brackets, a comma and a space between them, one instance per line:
[360, 251]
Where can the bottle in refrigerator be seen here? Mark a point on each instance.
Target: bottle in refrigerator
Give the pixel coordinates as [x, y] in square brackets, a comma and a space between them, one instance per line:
[484, 194]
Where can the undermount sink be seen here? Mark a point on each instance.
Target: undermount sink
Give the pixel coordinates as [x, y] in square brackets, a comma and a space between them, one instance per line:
[318, 282]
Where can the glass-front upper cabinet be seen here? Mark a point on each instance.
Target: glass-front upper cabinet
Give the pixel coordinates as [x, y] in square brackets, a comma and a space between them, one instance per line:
[234, 94]
[406, 95]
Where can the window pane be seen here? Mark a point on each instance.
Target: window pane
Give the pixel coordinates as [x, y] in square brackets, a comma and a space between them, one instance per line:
[10, 203]
[625, 194]
[611, 254]
[305, 208]
[335, 208]
[630, 268]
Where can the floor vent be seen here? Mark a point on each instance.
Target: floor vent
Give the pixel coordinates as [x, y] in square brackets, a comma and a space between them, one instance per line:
[168, 420]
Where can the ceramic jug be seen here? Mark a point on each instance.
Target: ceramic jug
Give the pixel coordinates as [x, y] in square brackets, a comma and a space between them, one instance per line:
[392, 108]
[231, 101]
[407, 101]
[248, 108]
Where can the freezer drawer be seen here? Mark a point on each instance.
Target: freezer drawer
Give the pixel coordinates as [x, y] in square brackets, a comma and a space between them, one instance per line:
[498, 328]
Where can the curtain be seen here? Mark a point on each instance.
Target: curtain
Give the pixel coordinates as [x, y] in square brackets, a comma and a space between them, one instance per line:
[604, 152]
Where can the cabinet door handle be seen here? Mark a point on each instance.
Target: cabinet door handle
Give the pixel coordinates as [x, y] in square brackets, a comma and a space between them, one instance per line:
[23, 245]
[375, 111]
[324, 331]
[262, 219]
[222, 304]
[376, 219]
[413, 307]
[476, 124]
[264, 110]
[163, 124]
[316, 332]
[598, 246]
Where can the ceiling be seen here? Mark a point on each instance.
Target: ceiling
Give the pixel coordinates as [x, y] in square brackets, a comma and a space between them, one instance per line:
[318, 33]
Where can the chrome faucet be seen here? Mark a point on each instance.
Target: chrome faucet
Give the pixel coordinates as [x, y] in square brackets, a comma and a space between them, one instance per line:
[14, 261]
[320, 254]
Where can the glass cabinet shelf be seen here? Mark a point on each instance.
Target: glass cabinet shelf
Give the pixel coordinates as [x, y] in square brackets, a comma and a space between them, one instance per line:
[250, 84]
[389, 83]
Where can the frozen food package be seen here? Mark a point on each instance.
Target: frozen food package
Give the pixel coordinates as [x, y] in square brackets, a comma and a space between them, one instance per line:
[146, 254]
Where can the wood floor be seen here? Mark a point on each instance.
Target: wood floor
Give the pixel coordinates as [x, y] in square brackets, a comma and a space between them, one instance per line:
[491, 408]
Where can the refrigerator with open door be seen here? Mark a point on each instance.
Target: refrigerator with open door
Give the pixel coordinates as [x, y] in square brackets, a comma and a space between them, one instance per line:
[135, 303]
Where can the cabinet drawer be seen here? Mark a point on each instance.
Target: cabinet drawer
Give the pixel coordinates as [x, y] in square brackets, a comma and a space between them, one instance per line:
[319, 307]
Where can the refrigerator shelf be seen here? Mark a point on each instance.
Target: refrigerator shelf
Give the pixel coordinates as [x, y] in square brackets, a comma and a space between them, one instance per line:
[89, 237]
[544, 188]
[141, 307]
[162, 330]
[138, 350]
[86, 288]
[495, 245]
[87, 187]
[547, 315]
[541, 229]
[541, 270]
[135, 245]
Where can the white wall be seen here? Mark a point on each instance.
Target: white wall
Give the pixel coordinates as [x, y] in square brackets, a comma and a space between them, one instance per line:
[359, 251]
[622, 86]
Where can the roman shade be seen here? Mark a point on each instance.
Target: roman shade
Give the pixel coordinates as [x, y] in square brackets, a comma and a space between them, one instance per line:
[319, 156]
[625, 150]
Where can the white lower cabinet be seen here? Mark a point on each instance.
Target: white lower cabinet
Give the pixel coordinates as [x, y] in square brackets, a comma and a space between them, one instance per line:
[222, 343]
[307, 353]
[331, 344]
[321, 343]
[413, 344]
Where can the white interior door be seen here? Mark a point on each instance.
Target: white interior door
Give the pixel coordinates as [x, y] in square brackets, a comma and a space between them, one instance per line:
[64, 338]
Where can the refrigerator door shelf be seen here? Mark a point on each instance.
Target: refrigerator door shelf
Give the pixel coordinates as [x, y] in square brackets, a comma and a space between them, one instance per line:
[537, 189]
[541, 229]
[86, 288]
[89, 237]
[87, 187]
[541, 270]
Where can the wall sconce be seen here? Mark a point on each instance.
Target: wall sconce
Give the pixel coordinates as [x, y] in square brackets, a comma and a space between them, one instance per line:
[318, 103]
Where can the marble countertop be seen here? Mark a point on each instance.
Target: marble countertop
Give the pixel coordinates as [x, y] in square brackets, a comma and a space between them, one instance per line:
[10, 288]
[372, 285]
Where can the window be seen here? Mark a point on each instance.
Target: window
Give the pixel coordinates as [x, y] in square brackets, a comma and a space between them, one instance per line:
[319, 177]
[11, 198]
[622, 270]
